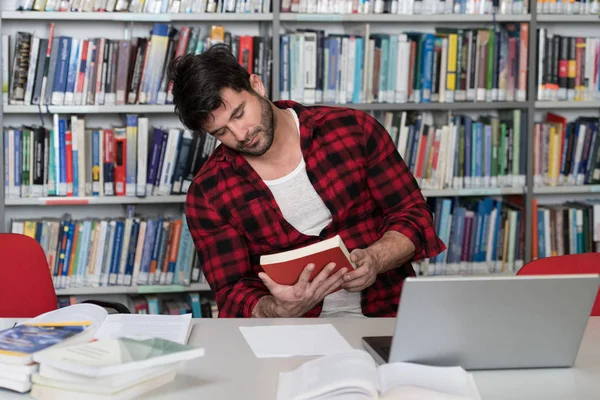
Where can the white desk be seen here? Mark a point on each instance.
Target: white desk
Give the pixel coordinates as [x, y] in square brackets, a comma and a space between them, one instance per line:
[229, 369]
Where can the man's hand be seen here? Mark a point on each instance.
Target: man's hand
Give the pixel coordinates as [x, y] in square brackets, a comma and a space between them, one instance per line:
[367, 268]
[296, 300]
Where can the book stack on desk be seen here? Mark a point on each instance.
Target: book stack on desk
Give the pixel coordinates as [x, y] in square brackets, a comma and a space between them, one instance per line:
[19, 343]
[120, 368]
[143, 346]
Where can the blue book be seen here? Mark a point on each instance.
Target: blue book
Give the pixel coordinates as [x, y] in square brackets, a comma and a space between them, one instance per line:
[116, 255]
[487, 152]
[133, 240]
[147, 252]
[96, 163]
[18, 344]
[62, 156]
[72, 74]
[427, 67]
[62, 67]
[358, 70]
[67, 255]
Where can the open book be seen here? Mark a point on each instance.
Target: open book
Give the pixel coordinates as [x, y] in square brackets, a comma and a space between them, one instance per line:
[285, 267]
[355, 375]
[176, 328]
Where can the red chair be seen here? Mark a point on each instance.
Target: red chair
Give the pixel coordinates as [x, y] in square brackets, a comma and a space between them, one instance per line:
[588, 263]
[26, 288]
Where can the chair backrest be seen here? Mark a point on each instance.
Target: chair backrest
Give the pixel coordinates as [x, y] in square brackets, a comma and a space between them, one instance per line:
[587, 263]
[26, 288]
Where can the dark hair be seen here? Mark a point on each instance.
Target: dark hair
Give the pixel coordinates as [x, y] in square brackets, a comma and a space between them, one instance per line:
[198, 80]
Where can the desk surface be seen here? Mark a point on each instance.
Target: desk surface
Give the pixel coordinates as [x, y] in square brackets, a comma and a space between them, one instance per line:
[229, 370]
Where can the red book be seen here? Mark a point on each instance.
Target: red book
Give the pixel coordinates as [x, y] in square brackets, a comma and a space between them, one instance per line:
[120, 139]
[69, 161]
[285, 267]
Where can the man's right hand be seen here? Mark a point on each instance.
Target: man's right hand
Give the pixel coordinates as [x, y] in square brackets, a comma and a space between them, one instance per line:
[296, 300]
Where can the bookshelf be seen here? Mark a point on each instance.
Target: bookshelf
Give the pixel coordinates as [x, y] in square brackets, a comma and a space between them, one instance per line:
[275, 24]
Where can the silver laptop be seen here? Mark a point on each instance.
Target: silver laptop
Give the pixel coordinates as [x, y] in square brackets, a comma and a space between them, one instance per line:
[494, 322]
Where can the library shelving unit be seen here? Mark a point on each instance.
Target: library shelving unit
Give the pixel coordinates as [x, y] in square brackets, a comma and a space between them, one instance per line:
[273, 24]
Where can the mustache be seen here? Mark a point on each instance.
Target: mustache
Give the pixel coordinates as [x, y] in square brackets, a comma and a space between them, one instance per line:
[250, 137]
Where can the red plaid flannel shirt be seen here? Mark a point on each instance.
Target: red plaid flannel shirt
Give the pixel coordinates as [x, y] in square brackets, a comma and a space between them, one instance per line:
[355, 168]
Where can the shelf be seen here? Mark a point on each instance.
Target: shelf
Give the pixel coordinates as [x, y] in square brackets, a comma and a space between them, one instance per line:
[113, 109]
[133, 17]
[545, 105]
[568, 19]
[195, 287]
[554, 190]
[433, 106]
[80, 201]
[419, 18]
[167, 109]
[473, 192]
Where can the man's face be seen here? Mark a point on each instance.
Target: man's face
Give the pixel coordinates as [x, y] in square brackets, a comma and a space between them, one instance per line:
[244, 122]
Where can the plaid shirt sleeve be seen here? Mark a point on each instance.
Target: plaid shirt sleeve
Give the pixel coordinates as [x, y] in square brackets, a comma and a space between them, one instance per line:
[396, 191]
[224, 258]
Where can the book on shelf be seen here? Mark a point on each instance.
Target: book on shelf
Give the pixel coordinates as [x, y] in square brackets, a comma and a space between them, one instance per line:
[450, 65]
[567, 68]
[569, 228]
[75, 160]
[354, 374]
[286, 267]
[409, 7]
[584, 7]
[149, 6]
[462, 152]
[96, 252]
[64, 70]
[482, 236]
[565, 153]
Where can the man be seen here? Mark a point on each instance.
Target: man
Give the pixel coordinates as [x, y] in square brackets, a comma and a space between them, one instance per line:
[286, 176]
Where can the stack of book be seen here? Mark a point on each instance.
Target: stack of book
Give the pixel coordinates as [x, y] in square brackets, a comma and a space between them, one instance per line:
[19, 343]
[114, 368]
[81, 351]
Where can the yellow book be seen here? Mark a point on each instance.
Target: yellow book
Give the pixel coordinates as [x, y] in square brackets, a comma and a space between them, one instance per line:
[451, 67]
[30, 228]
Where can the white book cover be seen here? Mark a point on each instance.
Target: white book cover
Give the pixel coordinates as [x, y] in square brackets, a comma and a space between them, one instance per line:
[5, 67]
[310, 67]
[99, 262]
[443, 71]
[142, 157]
[166, 175]
[403, 62]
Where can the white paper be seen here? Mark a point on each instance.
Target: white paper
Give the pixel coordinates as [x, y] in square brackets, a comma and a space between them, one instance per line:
[175, 328]
[294, 340]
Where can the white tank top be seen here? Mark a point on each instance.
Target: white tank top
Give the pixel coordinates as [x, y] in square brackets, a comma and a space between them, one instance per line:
[304, 209]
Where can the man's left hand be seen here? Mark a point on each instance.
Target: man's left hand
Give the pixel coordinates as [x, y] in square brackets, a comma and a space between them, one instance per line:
[367, 268]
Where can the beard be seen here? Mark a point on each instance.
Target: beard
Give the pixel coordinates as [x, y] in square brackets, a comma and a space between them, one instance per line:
[264, 133]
